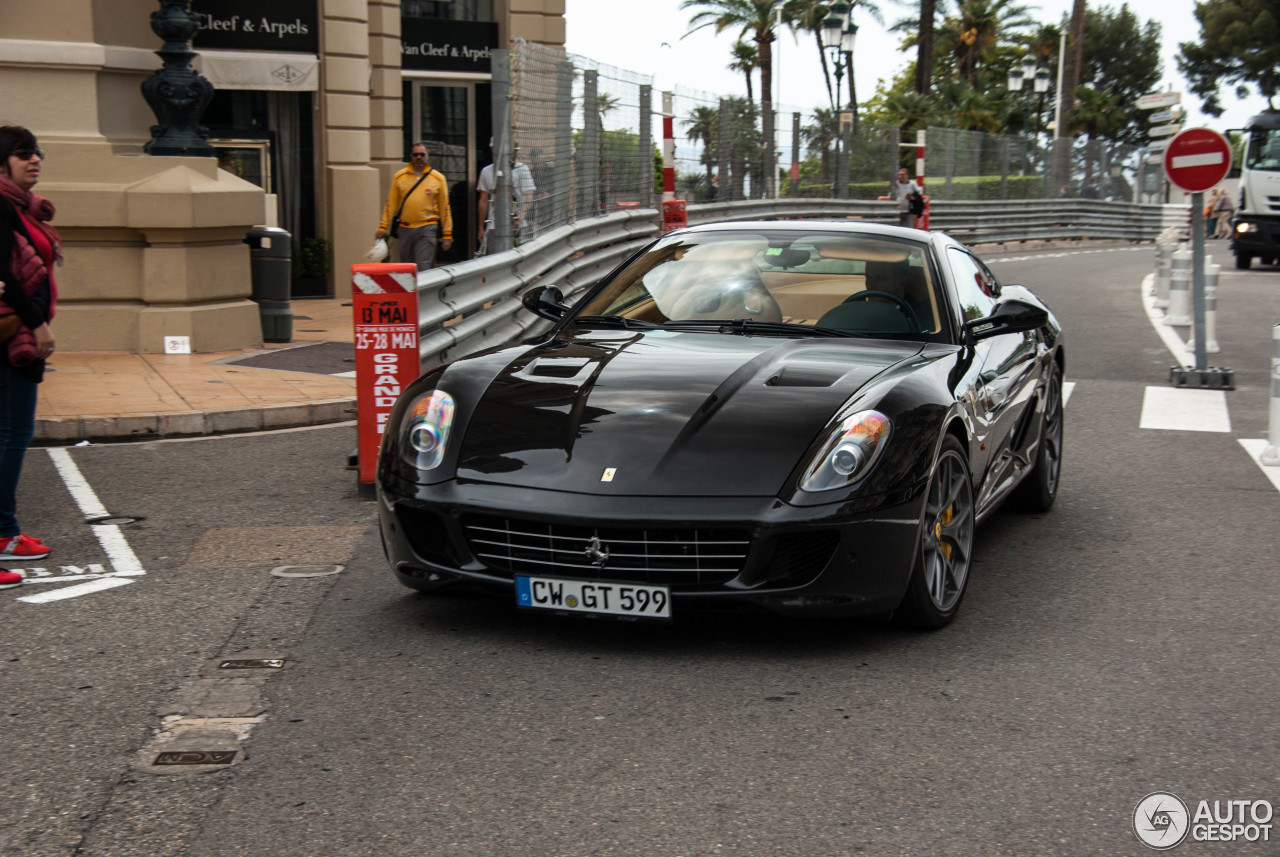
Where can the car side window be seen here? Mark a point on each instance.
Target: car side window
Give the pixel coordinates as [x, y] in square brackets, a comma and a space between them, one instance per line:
[975, 285]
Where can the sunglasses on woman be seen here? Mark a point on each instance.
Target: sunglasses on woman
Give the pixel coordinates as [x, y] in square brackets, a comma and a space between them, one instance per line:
[28, 154]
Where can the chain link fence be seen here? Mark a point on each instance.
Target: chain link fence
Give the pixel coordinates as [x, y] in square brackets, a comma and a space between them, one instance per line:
[584, 132]
[969, 165]
[583, 135]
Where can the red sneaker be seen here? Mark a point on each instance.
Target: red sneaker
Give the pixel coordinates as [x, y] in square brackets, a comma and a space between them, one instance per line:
[9, 579]
[21, 547]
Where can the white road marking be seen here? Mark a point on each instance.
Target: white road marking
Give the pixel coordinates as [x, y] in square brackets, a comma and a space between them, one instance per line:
[1068, 387]
[81, 492]
[99, 585]
[1255, 446]
[70, 573]
[1184, 409]
[1177, 347]
[113, 543]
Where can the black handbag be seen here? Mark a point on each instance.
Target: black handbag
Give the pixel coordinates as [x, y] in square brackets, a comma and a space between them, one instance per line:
[393, 230]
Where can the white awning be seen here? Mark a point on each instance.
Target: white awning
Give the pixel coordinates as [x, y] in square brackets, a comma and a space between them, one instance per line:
[260, 70]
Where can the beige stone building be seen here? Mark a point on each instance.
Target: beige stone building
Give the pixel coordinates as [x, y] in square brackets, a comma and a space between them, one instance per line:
[315, 106]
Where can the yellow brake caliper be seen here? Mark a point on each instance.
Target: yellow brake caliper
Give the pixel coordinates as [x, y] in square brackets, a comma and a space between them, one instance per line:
[947, 514]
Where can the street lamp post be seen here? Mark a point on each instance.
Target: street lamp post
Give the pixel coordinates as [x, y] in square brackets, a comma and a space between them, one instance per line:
[838, 35]
[1039, 77]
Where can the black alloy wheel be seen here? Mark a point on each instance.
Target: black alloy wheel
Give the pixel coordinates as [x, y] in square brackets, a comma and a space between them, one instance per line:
[941, 570]
[1040, 487]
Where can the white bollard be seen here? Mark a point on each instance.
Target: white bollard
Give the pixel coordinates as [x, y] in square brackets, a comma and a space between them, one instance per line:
[1271, 455]
[1211, 274]
[1164, 262]
[1179, 312]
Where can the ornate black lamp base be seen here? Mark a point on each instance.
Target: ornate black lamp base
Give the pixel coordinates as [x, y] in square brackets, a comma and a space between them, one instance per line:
[177, 93]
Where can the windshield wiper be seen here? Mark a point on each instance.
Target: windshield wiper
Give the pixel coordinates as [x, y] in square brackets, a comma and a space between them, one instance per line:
[615, 321]
[743, 326]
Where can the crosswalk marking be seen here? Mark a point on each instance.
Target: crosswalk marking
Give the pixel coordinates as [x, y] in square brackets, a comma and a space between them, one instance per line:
[1184, 409]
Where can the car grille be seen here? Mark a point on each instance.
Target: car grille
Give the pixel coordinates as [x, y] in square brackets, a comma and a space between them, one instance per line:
[694, 557]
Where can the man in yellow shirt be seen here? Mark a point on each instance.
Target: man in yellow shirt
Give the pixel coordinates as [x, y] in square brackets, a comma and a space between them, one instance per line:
[419, 196]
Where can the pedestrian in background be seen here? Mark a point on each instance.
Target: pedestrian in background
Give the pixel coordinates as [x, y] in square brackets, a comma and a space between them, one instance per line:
[903, 188]
[1222, 209]
[417, 212]
[29, 247]
[523, 191]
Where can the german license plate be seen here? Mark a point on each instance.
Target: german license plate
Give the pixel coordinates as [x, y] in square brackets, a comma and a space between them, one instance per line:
[581, 596]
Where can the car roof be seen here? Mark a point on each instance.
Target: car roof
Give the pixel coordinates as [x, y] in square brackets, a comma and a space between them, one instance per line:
[880, 230]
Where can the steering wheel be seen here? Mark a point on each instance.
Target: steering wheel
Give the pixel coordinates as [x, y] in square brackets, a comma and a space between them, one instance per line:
[901, 305]
[739, 298]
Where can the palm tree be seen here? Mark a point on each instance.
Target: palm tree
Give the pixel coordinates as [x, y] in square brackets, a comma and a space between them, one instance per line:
[974, 35]
[757, 18]
[1071, 64]
[821, 135]
[745, 60]
[924, 46]
[702, 126]
[805, 16]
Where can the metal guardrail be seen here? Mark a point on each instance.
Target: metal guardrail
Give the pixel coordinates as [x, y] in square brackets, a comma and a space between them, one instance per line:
[474, 305]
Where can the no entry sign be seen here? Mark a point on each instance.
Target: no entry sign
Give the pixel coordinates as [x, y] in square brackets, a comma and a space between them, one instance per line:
[1197, 159]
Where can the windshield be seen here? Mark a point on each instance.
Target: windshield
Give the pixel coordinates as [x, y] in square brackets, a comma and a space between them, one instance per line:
[856, 283]
[1264, 150]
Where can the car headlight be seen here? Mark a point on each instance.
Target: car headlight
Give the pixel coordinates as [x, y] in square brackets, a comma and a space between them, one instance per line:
[424, 431]
[849, 453]
[1246, 227]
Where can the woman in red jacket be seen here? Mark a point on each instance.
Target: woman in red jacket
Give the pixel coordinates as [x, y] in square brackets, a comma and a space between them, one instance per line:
[29, 249]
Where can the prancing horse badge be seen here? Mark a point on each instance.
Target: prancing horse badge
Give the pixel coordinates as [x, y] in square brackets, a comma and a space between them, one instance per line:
[607, 476]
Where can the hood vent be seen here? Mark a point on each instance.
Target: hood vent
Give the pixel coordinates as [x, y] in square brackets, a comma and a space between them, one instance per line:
[807, 375]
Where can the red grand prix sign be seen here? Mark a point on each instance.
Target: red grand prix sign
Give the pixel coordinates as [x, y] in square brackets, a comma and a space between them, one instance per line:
[384, 299]
[1197, 159]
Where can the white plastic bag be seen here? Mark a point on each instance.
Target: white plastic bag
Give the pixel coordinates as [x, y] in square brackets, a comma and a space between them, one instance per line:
[378, 251]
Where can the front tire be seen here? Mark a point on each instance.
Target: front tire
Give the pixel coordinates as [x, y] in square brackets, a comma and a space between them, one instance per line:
[1243, 262]
[941, 571]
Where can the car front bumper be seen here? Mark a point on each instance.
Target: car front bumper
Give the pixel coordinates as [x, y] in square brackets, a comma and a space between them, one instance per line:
[714, 553]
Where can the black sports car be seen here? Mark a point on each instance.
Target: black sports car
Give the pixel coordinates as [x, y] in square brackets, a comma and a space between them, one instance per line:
[806, 417]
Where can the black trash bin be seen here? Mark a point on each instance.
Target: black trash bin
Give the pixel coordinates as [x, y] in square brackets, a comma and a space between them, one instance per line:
[270, 269]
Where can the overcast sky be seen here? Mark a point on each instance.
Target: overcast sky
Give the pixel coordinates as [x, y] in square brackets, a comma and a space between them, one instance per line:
[644, 36]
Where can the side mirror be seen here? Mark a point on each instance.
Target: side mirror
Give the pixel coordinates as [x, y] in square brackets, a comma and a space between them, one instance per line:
[545, 302]
[1011, 316]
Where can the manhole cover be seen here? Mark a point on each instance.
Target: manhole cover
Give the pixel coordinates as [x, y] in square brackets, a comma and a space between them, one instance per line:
[116, 520]
[306, 570]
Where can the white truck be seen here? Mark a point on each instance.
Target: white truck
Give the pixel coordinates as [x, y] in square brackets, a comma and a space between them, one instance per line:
[1256, 228]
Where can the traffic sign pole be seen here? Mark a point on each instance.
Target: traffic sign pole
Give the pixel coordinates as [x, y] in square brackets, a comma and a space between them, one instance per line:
[1197, 279]
[1196, 160]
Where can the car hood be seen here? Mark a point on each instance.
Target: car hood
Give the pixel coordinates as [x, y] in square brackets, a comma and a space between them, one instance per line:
[658, 412]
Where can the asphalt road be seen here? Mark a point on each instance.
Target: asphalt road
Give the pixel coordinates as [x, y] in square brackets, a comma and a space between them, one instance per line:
[1120, 645]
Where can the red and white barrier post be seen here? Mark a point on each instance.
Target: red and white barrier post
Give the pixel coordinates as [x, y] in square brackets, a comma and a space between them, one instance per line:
[674, 213]
[384, 300]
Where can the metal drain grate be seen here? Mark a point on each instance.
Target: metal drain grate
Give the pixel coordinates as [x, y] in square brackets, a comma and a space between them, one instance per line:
[196, 757]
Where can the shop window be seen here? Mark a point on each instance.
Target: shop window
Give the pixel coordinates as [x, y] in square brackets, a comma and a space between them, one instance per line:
[448, 10]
